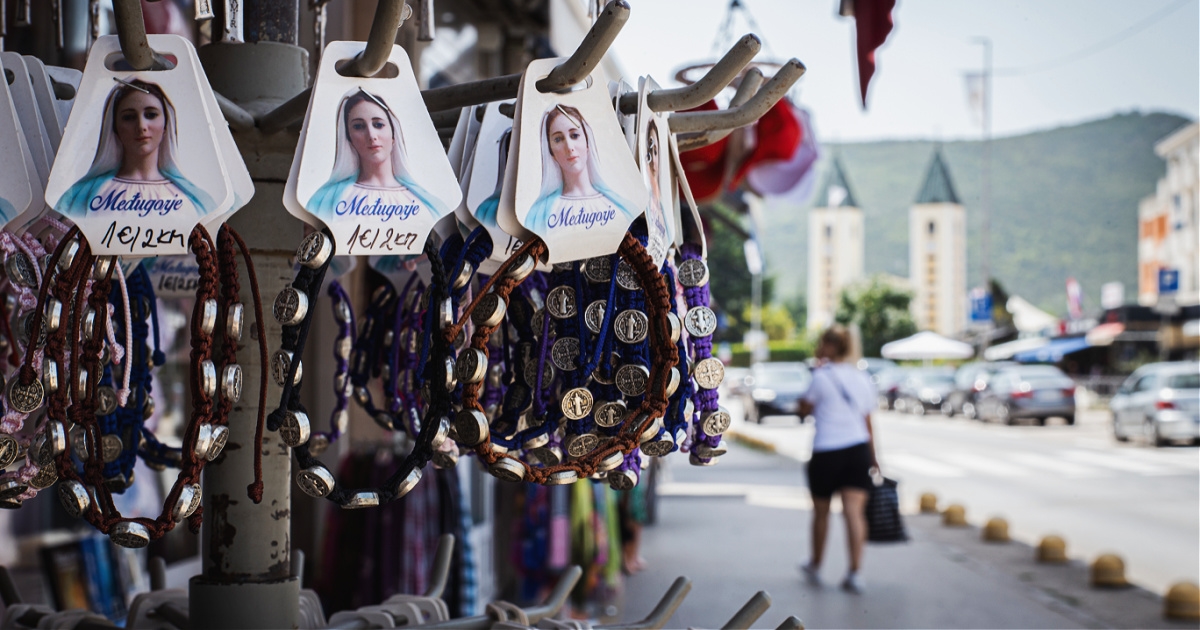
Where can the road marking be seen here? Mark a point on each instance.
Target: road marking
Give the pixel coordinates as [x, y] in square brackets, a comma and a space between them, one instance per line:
[922, 465]
[1067, 469]
[985, 465]
[1116, 461]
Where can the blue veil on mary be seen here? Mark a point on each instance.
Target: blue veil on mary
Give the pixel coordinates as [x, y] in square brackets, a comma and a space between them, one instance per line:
[110, 155]
[552, 180]
[346, 164]
[486, 212]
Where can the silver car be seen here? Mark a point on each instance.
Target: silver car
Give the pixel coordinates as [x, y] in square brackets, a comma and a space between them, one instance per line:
[1028, 391]
[1159, 401]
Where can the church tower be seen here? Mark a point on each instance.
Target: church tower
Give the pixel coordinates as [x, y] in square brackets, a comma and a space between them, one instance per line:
[835, 247]
[937, 253]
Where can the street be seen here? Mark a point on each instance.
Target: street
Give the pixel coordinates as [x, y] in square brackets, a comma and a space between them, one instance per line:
[742, 526]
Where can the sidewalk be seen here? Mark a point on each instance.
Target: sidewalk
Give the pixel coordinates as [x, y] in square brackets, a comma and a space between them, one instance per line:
[742, 526]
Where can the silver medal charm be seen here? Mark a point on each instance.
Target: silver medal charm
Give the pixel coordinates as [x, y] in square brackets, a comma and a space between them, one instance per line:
[489, 312]
[582, 444]
[632, 379]
[231, 383]
[208, 317]
[471, 366]
[314, 250]
[577, 403]
[362, 499]
[709, 373]
[714, 423]
[565, 353]
[9, 447]
[470, 427]
[220, 436]
[700, 321]
[110, 448]
[610, 414]
[622, 479]
[404, 486]
[74, 498]
[598, 269]
[295, 428]
[560, 303]
[507, 469]
[627, 278]
[693, 273]
[130, 534]
[593, 316]
[208, 378]
[106, 400]
[316, 481]
[521, 267]
[20, 270]
[290, 307]
[281, 364]
[631, 326]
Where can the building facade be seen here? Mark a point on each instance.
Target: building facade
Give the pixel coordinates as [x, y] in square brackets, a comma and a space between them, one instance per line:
[937, 254]
[835, 247]
[1168, 232]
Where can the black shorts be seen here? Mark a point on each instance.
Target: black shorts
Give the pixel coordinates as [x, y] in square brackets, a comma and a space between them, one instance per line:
[830, 471]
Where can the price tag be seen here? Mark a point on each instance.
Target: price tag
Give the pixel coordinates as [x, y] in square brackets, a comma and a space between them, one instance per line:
[372, 167]
[140, 165]
[16, 170]
[577, 185]
[487, 180]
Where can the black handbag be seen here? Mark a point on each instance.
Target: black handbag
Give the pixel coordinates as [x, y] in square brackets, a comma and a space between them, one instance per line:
[884, 524]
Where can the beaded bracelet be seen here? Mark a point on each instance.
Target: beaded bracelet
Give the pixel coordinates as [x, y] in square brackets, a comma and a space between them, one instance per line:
[710, 420]
[314, 478]
[202, 441]
[487, 312]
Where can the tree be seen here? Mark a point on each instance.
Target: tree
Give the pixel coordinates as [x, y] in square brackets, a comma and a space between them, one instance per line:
[879, 310]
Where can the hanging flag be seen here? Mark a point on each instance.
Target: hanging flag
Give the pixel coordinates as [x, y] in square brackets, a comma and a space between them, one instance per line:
[873, 23]
[975, 95]
[1074, 299]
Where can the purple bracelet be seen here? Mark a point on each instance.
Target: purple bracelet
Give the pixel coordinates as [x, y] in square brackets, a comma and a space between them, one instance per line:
[709, 420]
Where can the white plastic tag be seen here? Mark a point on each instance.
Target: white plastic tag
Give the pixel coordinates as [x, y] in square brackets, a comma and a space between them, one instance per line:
[487, 180]
[235, 168]
[398, 270]
[67, 76]
[15, 183]
[577, 185]
[21, 90]
[628, 121]
[691, 228]
[139, 165]
[43, 93]
[661, 218]
[373, 168]
[461, 156]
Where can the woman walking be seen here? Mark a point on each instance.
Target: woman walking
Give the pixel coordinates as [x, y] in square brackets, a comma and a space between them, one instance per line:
[840, 398]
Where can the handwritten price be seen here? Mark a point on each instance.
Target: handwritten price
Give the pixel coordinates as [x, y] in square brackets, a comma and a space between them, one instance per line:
[140, 239]
[379, 240]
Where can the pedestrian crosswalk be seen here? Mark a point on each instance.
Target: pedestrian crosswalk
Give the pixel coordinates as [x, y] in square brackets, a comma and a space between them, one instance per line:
[1066, 463]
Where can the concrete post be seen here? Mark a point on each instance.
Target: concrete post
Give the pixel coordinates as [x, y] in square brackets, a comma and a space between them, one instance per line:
[246, 548]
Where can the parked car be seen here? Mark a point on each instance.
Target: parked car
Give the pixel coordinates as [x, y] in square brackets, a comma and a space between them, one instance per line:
[887, 383]
[969, 380]
[1160, 401]
[1028, 391]
[776, 389]
[925, 389]
[734, 382]
[873, 365]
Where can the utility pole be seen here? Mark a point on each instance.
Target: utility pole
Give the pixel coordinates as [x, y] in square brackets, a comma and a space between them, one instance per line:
[985, 196]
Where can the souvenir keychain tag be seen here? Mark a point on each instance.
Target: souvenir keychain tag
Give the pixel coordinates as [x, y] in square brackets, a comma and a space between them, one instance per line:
[577, 185]
[628, 121]
[235, 168]
[139, 165]
[16, 193]
[373, 169]
[661, 218]
[21, 90]
[691, 229]
[459, 161]
[65, 76]
[43, 93]
[487, 180]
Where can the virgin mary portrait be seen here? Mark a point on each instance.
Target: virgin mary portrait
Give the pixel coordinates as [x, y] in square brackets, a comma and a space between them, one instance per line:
[486, 213]
[573, 190]
[134, 169]
[370, 174]
[656, 217]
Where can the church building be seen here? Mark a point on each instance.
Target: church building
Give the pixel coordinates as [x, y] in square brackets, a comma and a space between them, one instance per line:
[835, 247]
[937, 253]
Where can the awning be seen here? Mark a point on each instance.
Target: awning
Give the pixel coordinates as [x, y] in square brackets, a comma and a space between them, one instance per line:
[1054, 351]
[1105, 334]
[1003, 351]
[926, 346]
[1029, 318]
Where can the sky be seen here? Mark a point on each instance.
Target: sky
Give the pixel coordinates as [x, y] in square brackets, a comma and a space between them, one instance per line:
[1057, 62]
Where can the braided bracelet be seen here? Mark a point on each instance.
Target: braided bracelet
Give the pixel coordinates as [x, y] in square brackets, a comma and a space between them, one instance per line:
[202, 441]
[438, 369]
[710, 419]
[487, 312]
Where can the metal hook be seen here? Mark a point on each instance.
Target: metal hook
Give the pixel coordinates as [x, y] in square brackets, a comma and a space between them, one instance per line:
[441, 566]
[791, 623]
[662, 612]
[703, 90]
[591, 50]
[389, 15]
[747, 88]
[765, 99]
[554, 602]
[748, 614]
[131, 31]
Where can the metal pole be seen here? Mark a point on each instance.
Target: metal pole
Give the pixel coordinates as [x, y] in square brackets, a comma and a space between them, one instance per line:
[985, 197]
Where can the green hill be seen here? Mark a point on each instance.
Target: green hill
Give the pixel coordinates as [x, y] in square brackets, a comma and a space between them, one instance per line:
[1064, 203]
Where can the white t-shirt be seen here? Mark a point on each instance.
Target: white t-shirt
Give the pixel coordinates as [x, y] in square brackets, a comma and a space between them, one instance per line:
[840, 423]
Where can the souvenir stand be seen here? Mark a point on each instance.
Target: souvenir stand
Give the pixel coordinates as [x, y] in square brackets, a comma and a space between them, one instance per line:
[455, 387]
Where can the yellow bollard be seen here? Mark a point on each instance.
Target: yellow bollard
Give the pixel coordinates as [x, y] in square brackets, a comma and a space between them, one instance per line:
[996, 530]
[1182, 601]
[1052, 549]
[954, 516]
[929, 503]
[1108, 571]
